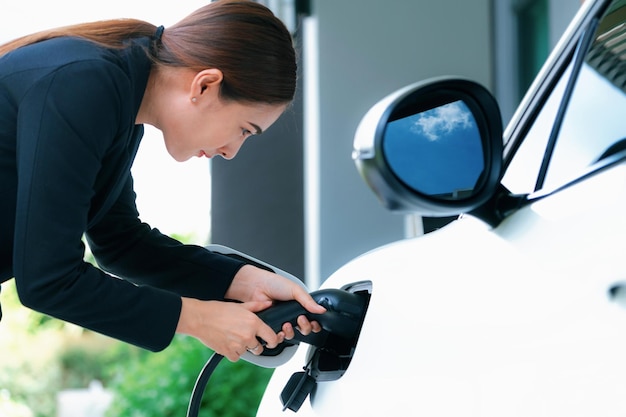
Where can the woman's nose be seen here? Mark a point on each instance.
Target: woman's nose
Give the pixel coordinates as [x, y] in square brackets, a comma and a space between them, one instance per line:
[231, 150]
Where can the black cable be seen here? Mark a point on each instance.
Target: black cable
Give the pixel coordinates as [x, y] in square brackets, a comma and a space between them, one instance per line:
[201, 382]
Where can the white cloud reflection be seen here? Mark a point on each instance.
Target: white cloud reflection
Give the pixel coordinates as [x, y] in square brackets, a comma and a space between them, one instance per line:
[443, 120]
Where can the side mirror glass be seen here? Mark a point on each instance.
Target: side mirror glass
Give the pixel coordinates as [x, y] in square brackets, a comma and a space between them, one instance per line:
[437, 152]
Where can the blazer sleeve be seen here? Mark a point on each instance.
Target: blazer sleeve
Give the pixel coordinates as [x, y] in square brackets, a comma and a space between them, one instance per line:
[128, 248]
[66, 122]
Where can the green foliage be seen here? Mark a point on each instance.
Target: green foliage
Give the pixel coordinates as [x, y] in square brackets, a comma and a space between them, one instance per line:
[42, 356]
[28, 374]
[29, 385]
[83, 362]
[160, 384]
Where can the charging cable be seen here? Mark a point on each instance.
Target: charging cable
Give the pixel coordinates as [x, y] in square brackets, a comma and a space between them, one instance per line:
[201, 383]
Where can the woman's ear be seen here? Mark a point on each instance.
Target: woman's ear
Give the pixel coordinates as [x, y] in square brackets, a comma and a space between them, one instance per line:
[207, 80]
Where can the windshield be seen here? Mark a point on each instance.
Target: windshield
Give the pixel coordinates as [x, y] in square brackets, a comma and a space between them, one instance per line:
[594, 118]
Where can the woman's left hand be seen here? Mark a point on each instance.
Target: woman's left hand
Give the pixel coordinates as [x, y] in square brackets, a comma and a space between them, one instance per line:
[256, 284]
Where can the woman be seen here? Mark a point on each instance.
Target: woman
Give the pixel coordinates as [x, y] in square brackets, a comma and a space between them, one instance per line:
[72, 105]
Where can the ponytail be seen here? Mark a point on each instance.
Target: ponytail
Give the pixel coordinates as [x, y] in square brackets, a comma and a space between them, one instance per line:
[107, 33]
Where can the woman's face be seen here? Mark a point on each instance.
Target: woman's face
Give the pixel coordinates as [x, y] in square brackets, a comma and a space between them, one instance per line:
[208, 126]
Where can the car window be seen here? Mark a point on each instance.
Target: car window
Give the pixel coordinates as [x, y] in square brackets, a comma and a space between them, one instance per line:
[521, 175]
[593, 121]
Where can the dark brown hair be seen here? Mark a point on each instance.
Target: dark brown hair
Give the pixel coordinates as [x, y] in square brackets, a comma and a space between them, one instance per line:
[242, 38]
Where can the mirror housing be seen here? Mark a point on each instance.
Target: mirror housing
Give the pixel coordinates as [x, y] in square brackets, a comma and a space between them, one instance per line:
[433, 148]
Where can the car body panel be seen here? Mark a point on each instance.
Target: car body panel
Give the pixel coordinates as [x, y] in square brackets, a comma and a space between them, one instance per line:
[475, 321]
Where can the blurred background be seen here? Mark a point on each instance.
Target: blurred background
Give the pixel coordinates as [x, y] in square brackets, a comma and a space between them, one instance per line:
[292, 197]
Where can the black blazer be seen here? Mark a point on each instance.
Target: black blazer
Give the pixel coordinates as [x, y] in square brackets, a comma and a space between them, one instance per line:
[67, 141]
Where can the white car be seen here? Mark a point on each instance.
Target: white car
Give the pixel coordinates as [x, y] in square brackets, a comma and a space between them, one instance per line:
[516, 308]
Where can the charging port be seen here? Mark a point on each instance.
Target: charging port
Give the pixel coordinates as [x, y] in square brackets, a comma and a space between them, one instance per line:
[327, 361]
[330, 361]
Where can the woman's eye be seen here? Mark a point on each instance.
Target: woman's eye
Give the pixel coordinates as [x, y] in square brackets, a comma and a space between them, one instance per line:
[245, 132]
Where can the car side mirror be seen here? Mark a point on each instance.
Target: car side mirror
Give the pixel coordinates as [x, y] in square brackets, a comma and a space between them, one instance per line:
[433, 148]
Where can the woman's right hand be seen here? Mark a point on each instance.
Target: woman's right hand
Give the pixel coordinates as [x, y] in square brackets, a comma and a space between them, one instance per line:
[226, 327]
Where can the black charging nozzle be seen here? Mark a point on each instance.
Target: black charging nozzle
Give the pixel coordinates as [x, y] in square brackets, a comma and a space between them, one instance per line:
[335, 344]
[343, 317]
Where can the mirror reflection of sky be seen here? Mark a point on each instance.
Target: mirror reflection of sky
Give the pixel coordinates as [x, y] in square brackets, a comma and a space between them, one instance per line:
[436, 152]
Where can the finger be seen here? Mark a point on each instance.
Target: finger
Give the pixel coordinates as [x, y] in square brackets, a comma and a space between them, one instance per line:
[288, 331]
[316, 327]
[256, 349]
[304, 325]
[268, 336]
